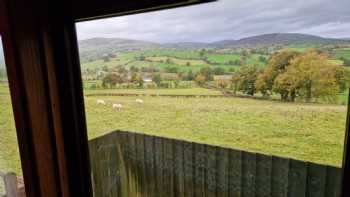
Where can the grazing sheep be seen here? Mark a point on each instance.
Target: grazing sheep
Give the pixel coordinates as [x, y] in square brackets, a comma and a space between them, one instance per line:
[117, 106]
[101, 102]
[140, 101]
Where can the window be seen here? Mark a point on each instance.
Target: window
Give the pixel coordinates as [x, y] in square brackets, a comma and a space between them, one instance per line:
[216, 93]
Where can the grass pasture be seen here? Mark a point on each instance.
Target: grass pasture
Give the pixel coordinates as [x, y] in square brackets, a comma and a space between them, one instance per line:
[311, 132]
[341, 53]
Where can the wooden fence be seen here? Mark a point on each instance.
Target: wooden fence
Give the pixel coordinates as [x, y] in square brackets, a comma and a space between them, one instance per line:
[128, 164]
[13, 185]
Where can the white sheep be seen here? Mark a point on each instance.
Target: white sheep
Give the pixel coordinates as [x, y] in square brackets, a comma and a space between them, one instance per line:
[117, 106]
[140, 101]
[101, 102]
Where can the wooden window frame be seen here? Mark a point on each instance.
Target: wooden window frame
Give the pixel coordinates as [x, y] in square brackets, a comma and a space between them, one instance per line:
[42, 60]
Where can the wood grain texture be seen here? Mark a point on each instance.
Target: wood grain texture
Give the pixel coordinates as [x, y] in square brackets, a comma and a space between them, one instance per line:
[179, 168]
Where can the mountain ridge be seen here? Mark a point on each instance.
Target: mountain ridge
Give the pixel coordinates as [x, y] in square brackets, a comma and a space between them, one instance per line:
[97, 47]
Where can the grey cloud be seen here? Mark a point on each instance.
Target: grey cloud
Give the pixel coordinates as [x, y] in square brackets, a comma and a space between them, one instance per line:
[227, 19]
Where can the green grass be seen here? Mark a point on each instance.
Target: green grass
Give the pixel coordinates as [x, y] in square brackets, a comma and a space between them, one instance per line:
[9, 155]
[341, 53]
[223, 58]
[310, 132]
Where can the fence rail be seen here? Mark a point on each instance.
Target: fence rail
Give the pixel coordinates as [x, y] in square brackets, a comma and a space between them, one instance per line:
[130, 164]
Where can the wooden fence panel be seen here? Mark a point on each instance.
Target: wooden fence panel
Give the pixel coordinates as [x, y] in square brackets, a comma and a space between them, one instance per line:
[168, 177]
[127, 164]
[235, 173]
[280, 171]
[316, 180]
[149, 165]
[189, 168]
[333, 186]
[132, 172]
[263, 175]
[140, 161]
[297, 179]
[179, 175]
[248, 174]
[211, 171]
[222, 172]
[158, 145]
[123, 163]
[199, 170]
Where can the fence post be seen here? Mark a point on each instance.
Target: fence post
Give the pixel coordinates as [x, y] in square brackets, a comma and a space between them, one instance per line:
[10, 180]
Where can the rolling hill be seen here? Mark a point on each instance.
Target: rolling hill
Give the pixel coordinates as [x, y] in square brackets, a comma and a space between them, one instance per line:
[278, 38]
[95, 48]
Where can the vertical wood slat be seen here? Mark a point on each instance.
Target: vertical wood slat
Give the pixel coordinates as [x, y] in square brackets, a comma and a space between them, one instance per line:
[165, 167]
[333, 186]
[149, 165]
[297, 179]
[263, 175]
[211, 173]
[235, 173]
[123, 157]
[179, 168]
[124, 168]
[199, 170]
[222, 172]
[248, 174]
[113, 165]
[140, 162]
[316, 180]
[168, 178]
[158, 145]
[280, 170]
[132, 172]
[189, 168]
[98, 167]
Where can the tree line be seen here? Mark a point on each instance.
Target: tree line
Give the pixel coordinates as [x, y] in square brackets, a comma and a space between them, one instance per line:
[290, 74]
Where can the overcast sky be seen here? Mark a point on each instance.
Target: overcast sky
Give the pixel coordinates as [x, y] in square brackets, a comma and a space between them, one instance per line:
[227, 19]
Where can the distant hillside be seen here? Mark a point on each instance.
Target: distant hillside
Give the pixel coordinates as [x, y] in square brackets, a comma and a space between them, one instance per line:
[278, 38]
[185, 45]
[96, 47]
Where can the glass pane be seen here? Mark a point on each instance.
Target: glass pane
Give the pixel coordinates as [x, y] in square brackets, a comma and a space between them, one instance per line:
[10, 165]
[231, 97]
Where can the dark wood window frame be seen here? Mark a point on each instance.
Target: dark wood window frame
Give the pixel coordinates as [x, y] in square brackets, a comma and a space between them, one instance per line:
[42, 61]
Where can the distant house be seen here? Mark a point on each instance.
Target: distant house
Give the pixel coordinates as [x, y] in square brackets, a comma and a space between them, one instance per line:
[147, 79]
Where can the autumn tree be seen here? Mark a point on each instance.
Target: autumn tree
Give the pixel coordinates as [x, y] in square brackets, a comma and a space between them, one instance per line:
[200, 79]
[112, 79]
[311, 75]
[207, 72]
[277, 64]
[222, 83]
[245, 78]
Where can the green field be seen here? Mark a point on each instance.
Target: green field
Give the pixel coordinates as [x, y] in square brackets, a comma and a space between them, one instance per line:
[342, 53]
[311, 132]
